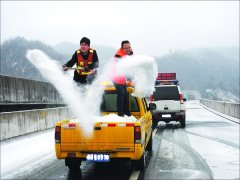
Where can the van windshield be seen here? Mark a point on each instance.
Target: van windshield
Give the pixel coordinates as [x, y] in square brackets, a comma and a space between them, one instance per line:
[166, 93]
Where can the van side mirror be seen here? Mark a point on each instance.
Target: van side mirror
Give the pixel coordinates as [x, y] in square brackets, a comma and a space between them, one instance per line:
[152, 106]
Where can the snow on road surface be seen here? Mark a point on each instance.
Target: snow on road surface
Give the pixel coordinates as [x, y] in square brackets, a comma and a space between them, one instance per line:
[214, 138]
[23, 153]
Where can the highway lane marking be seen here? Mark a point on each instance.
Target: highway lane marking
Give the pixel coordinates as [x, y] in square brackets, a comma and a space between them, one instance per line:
[135, 174]
[154, 132]
[219, 114]
[215, 139]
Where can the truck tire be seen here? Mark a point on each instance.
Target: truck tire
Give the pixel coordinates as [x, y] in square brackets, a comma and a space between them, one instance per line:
[140, 164]
[154, 125]
[182, 122]
[73, 163]
[149, 145]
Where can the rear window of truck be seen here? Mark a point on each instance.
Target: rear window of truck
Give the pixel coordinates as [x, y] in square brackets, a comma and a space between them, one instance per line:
[166, 93]
[109, 103]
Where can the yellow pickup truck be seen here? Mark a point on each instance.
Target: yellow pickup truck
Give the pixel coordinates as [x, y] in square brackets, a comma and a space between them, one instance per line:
[125, 139]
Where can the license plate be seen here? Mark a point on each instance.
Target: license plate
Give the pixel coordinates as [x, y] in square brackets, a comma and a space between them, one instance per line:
[166, 115]
[98, 157]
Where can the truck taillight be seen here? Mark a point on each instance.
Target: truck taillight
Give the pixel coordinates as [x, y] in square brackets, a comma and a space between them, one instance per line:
[137, 134]
[57, 134]
[72, 125]
[151, 98]
[181, 98]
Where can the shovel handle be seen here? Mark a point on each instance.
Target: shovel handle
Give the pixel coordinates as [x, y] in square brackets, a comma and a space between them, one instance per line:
[80, 68]
[76, 68]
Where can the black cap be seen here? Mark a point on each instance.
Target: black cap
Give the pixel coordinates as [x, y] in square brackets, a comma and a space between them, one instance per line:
[85, 40]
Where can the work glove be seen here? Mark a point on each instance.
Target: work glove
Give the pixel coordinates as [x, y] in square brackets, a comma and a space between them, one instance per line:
[93, 71]
[64, 67]
[129, 84]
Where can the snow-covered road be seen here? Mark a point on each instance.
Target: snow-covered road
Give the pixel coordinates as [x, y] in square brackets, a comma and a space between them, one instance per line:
[216, 139]
[207, 147]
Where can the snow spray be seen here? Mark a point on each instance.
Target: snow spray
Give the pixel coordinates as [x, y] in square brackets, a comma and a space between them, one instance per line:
[84, 101]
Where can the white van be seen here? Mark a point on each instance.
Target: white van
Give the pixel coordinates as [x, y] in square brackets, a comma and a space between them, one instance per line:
[170, 104]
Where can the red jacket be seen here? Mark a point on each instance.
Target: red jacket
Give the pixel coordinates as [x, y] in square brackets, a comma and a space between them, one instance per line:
[118, 79]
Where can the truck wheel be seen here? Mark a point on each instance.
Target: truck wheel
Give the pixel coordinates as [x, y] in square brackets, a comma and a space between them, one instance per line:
[73, 163]
[154, 125]
[149, 145]
[140, 164]
[182, 122]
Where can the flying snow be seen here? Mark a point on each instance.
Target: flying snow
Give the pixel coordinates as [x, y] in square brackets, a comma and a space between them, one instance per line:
[84, 101]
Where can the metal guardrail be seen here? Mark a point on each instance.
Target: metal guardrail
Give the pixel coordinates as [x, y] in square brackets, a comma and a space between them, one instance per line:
[9, 107]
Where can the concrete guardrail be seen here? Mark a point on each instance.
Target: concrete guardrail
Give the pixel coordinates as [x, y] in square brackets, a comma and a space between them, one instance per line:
[15, 90]
[19, 90]
[23, 122]
[231, 109]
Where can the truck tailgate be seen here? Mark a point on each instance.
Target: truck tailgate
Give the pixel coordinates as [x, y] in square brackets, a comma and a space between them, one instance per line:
[105, 136]
[168, 106]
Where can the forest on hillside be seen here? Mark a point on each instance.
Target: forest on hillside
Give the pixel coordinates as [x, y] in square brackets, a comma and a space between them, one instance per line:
[197, 69]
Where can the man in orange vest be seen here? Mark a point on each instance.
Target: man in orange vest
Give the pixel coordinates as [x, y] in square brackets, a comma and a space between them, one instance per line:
[86, 60]
[119, 81]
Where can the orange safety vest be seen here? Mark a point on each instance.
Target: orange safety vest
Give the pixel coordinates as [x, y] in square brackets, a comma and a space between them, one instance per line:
[120, 53]
[81, 63]
[118, 79]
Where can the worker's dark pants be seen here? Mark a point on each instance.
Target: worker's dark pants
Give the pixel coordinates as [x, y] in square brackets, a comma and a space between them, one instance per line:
[122, 100]
[80, 80]
[91, 77]
[88, 79]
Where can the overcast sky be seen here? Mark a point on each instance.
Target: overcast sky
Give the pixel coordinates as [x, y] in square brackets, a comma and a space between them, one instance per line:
[153, 28]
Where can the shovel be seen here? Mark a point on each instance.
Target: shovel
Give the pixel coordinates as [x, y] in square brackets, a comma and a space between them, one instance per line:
[80, 68]
[74, 68]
